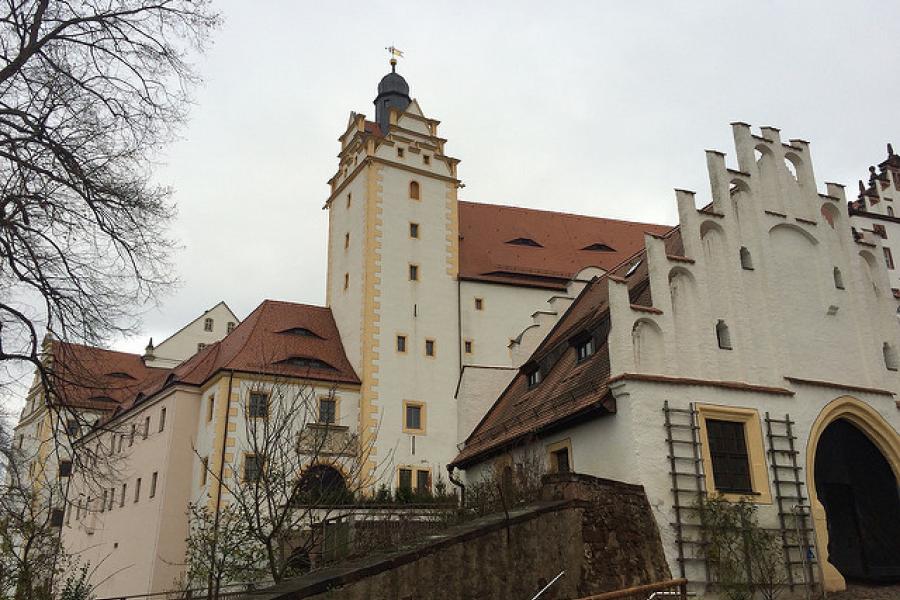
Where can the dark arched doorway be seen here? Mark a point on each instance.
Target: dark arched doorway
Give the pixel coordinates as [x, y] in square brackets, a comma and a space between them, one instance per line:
[322, 485]
[858, 490]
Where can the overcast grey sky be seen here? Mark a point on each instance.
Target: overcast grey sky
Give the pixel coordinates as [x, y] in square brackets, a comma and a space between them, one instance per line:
[599, 108]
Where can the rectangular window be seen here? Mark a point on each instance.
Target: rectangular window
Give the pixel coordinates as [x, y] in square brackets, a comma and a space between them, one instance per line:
[230, 327]
[327, 410]
[414, 230]
[73, 429]
[405, 479]
[124, 491]
[346, 241]
[413, 272]
[65, 468]
[259, 405]
[426, 159]
[204, 469]
[399, 152]
[429, 348]
[207, 324]
[479, 304]
[423, 481]
[210, 408]
[467, 346]
[252, 467]
[146, 431]
[561, 460]
[584, 349]
[121, 441]
[401, 343]
[728, 451]
[153, 479]
[888, 259]
[414, 417]
[349, 200]
[112, 497]
[162, 419]
[533, 378]
[131, 437]
[346, 280]
[56, 517]
[137, 490]
[880, 230]
[201, 347]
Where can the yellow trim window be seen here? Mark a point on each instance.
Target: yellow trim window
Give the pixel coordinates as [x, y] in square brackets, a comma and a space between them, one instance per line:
[559, 455]
[413, 417]
[734, 459]
[407, 477]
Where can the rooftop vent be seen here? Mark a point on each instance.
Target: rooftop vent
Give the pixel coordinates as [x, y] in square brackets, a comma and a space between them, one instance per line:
[633, 268]
[524, 242]
[119, 375]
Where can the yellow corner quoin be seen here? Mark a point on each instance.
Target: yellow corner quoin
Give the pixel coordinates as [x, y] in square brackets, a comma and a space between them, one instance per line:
[756, 452]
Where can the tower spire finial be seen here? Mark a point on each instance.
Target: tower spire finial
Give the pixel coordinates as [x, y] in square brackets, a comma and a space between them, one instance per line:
[395, 52]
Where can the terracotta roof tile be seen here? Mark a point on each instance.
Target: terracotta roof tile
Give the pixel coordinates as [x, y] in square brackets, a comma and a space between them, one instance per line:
[485, 253]
[568, 389]
[94, 378]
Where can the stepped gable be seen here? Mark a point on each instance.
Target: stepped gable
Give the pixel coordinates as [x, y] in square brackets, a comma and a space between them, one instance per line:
[569, 389]
[283, 339]
[538, 248]
[95, 378]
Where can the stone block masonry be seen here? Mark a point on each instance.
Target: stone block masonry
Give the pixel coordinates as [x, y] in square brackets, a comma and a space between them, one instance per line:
[600, 532]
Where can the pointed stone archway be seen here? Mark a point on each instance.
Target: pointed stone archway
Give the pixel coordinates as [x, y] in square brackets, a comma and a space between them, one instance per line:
[849, 428]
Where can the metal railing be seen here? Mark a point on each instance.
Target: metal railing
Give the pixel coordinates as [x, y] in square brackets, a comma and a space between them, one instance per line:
[674, 589]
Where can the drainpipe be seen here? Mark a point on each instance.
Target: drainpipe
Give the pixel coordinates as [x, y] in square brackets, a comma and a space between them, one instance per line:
[457, 483]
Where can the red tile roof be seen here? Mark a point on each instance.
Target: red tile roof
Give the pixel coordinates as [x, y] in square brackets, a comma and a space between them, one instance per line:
[278, 338]
[264, 344]
[568, 389]
[485, 253]
[94, 378]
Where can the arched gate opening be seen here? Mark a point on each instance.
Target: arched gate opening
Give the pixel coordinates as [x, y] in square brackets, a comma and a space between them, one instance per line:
[858, 489]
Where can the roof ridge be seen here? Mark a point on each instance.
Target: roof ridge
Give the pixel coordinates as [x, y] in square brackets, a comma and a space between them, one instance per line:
[100, 348]
[557, 212]
[292, 303]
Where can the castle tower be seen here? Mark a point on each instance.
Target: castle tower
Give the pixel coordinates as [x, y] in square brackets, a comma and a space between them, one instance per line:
[392, 283]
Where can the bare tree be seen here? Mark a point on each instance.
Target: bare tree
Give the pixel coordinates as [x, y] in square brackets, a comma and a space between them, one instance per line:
[29, 533]
[294, 468]
[89, 93]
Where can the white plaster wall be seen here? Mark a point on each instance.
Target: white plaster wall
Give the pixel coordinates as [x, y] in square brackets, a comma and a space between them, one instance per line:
[479, 387]
[183, 344]
[139, 547]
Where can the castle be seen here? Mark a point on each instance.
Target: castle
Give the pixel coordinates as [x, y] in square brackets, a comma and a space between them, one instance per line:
[751, 350]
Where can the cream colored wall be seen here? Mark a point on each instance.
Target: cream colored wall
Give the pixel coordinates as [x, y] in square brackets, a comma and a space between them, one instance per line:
[139, 548]
[183, 344]
[478, 388]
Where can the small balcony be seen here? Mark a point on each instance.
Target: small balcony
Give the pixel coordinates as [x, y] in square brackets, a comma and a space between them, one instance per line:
[327, 439]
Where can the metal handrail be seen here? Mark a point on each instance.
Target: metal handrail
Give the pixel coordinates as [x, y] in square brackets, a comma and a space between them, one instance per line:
[649, 589]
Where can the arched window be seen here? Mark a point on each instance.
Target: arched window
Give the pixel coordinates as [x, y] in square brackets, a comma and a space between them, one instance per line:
[838, 279]
[723, 335]
[891, 361]
[746, 261]
[414, 190]
[890, 211]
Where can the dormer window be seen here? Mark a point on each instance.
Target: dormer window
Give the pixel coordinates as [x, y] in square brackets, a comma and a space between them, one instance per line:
[301, 331]
[521, 241]
[584, 349]
[533, 378]
[632, 269]
[119, 375]
[308, 363]
[599, 247]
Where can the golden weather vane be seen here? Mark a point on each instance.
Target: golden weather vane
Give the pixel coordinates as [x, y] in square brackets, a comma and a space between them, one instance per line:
[395, 53]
